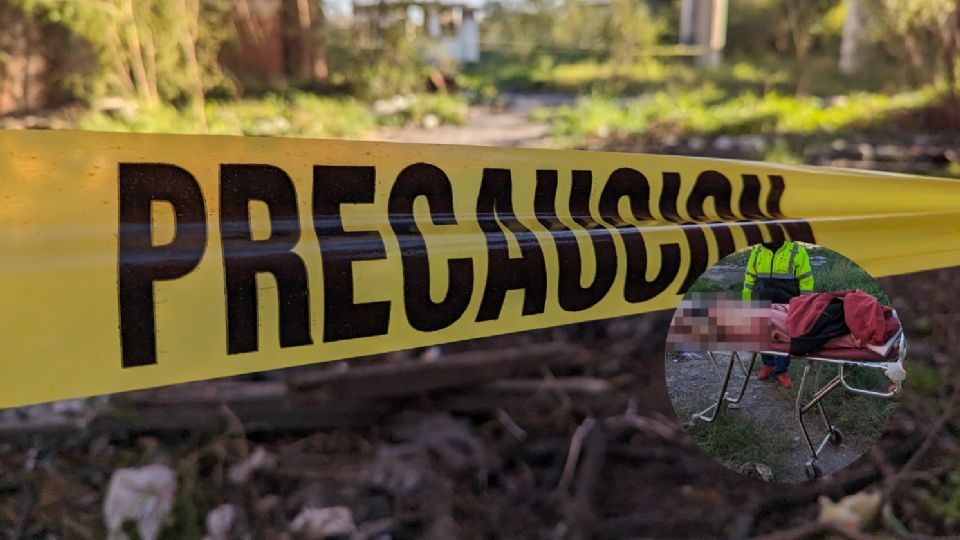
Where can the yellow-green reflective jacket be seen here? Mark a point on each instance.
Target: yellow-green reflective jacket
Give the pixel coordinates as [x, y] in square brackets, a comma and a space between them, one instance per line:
[789, 262]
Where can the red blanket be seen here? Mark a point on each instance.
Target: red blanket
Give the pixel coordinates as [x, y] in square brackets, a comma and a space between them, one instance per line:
[868, 321]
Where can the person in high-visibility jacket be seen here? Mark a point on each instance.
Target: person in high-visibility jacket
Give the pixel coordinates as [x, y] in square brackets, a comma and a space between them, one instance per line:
[777, 271]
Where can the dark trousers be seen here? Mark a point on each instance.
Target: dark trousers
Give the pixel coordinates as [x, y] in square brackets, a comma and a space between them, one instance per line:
[780, 363]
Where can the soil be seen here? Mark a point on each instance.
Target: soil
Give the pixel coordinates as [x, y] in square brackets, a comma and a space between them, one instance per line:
[505, 125]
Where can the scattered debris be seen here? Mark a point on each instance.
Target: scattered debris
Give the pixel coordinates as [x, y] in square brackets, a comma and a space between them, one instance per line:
[258, 461]
[220, 521]
[854, 512]
[143, 495]
[758, 470]
[320, 523]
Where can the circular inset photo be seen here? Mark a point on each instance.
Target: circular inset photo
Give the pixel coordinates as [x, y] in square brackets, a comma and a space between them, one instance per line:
[784, 361]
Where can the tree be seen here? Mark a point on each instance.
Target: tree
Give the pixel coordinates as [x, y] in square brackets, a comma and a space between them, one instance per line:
[923, 30]
[158, 51]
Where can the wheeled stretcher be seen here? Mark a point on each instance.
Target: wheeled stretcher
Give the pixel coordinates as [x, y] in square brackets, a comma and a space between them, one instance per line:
[888, 360]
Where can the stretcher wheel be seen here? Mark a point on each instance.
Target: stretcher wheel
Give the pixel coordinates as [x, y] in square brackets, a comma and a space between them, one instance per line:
[812, 470]
[836, 436]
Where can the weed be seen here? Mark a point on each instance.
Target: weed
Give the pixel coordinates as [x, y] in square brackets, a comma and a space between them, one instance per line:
[734, 441]
[706, 285]
[298, 114]
[862, 418]
[839, 273]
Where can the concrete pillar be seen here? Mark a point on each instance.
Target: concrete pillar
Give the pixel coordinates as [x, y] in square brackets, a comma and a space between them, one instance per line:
[703, 23]
[469, 37]
[433, 22]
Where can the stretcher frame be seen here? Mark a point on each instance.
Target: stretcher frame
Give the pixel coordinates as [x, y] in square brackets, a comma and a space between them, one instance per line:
[893, 370]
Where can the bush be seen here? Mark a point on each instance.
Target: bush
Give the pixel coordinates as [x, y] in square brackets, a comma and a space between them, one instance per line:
[705, 111]
[841, 274]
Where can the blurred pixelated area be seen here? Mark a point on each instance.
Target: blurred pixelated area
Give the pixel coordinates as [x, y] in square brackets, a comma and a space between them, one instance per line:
[707, 321]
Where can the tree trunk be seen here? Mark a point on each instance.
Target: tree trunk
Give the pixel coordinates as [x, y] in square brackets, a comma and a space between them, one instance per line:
[320, 70]
[188, 38]
[304, 70]
[948, 40]
[141, 81]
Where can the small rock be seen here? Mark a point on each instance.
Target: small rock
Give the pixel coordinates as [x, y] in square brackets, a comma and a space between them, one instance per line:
[387, 107]
[755, 469]
[852, 512]
[753, 143]
[259, 460]
[724, 143]
[143, 495]
[430, 121]
[319, 523]
[274, 125]
[220, 521]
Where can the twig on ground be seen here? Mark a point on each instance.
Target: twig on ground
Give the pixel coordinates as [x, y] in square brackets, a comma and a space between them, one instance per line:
[581, 514]
[573, 454]
[511, 426]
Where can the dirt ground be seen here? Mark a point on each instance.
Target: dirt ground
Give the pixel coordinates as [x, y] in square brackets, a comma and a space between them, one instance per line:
[505, 125]
[693, 383]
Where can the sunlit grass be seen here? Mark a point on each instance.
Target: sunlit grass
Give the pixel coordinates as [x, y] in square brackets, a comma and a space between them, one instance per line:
[299, 114]
[706, 111]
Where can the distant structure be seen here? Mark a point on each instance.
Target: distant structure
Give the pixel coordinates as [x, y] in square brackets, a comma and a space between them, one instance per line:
[703, 24]
[453, 24]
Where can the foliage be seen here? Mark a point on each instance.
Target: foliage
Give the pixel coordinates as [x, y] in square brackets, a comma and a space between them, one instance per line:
[621, 30]
[841, 274]
[446, 108]
[156, 50]
[299, 115]
[861, 417]
[377, 58]
[924, 34]
[944, 502]
[706, 111]
[705, 285]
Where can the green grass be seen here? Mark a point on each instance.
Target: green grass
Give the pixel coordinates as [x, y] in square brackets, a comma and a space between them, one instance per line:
[447, 108]
[841, 274]
[735, 441]
[595, 74]
[705, 285]
[944, 501]
[298, 114]
[709, 111]
[863, 418]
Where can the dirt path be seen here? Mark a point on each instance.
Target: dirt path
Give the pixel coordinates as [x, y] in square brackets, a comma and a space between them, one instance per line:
[693, 383]
[487, 126]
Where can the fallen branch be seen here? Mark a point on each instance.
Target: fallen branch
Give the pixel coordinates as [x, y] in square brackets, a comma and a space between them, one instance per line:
[392, 379]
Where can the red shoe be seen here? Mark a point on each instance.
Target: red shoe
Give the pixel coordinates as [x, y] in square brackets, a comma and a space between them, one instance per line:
[784, 380]
[765, 372]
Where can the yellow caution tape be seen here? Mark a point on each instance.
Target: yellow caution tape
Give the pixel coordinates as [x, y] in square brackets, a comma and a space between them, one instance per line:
[133, 261]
